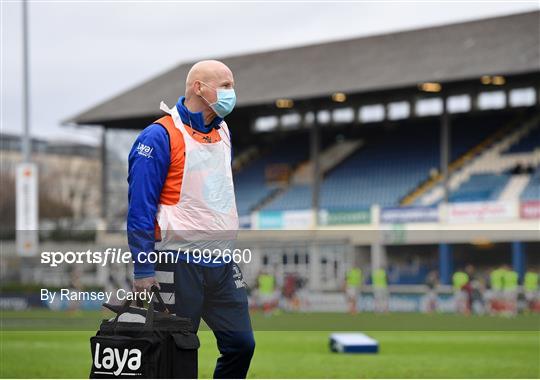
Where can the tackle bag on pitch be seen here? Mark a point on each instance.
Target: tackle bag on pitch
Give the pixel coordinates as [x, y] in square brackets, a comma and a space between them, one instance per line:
[144, 343]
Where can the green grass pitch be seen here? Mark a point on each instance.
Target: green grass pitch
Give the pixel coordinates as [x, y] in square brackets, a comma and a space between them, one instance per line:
[298, 353]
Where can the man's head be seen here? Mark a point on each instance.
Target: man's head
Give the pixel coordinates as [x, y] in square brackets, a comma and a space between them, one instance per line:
[204, 80]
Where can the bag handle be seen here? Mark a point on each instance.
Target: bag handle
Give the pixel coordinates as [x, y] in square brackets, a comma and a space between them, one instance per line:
[149, 312]
[156, 292]
[149, 318]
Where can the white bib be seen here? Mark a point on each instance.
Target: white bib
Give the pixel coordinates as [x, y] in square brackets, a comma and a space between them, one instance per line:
[206, 210]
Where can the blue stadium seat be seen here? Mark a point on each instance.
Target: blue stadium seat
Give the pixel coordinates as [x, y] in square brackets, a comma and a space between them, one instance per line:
[528, 143]
[296, 198]
[391, 164]
[250, 183]
[532, 190]
[480, 187]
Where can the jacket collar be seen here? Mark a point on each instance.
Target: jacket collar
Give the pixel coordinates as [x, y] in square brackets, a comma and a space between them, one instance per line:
[195, 119]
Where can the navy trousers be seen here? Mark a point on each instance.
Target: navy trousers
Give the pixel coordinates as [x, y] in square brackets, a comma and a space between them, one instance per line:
[218, 296]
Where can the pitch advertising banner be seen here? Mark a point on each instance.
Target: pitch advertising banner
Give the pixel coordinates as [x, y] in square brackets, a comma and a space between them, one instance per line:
[333, 217]
[270, 220]
[301, 219]
[530, 210]
[481, 211]
[298, 219]
[393, 215]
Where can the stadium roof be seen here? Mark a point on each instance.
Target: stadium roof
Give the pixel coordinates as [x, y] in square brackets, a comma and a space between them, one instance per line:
[503, 45]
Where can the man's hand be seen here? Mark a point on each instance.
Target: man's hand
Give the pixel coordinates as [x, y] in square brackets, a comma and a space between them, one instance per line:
[144, 284]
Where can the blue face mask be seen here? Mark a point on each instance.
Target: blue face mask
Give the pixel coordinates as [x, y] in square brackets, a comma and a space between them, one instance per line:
[226, 100]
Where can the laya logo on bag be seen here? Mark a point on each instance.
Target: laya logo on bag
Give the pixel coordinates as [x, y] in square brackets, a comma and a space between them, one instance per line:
[114, 358]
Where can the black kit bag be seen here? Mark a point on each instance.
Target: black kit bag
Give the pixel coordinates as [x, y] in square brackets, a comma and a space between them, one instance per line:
[144, 343]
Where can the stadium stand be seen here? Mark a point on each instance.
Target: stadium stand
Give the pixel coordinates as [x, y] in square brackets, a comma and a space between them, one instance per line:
[492, 157]
[391, 163]
[528, 143]
[480, 187]
[468, 131]
[516, 184]
[251, 185]
[297, 197]
[532, 191]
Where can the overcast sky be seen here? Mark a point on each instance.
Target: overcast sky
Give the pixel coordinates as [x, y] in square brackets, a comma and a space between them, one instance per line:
[84, 52]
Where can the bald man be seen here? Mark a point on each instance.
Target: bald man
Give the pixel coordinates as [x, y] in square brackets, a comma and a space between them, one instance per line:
[181, 201]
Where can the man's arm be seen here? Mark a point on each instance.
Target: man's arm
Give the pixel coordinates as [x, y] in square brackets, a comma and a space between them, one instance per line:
[149, 161]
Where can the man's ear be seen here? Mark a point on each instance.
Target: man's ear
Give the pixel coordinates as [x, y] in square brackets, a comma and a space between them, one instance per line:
[197, 87]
